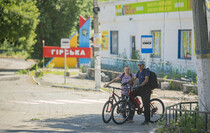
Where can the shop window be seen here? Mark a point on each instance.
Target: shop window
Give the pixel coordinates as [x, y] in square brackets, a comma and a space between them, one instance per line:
[185, 44]
[114, 42]
[156, 44]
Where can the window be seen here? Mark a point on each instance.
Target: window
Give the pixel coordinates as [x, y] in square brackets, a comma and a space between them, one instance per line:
[114, 42]
[185, 44]
[133, 46]
[156, 43]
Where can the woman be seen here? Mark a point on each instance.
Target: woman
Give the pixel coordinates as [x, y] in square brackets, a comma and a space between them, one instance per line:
[125, 77]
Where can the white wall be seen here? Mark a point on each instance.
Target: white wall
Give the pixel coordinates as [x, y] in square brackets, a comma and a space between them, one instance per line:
[143, 24]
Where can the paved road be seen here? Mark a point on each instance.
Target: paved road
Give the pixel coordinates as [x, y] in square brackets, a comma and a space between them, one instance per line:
[27, 107]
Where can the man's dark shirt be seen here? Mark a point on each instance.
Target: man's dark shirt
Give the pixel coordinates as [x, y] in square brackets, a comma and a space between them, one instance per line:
[141, 75]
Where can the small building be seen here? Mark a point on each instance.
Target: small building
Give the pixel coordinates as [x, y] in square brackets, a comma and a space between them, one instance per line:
[123, 22]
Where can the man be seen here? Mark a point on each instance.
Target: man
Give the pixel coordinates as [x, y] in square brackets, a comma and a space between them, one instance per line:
[124, 77]
[143, 90]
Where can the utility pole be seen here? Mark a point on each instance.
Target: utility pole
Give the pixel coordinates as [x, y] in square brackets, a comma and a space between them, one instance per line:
[97, 45]
[202, 48]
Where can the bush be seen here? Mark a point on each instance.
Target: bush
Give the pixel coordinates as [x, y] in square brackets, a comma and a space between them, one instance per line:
[24, 71]
[185, 124]
[39, 73]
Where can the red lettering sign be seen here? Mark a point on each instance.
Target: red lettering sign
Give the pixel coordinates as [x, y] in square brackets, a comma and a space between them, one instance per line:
[53, 51]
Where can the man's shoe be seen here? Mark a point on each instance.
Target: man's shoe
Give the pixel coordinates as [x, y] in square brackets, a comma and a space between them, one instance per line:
[145, 123]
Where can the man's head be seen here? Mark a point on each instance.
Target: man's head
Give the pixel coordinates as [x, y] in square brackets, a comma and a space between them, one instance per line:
[140, 65]
[126, 69]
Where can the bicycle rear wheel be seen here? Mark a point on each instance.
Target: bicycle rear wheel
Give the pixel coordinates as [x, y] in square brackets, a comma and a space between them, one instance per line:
[120, 112]
[156, 109]
[106, 112]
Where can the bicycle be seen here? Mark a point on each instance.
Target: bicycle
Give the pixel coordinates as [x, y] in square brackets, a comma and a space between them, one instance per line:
[107, 108]
[122, 109]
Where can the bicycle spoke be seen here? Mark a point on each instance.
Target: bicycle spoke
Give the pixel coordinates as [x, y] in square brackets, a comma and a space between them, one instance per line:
[120, 112]
[156, 109]
[106, 112]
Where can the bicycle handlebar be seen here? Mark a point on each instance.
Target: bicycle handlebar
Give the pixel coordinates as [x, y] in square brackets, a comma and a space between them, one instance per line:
[115, 88]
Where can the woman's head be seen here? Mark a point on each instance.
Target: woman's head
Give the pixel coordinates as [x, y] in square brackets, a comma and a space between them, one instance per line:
[126, 69]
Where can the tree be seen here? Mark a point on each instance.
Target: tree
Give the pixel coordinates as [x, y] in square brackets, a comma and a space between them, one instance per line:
[86, 10]
[57, 20]
[18, 23]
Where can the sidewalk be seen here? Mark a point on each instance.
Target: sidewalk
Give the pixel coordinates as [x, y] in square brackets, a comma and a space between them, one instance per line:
[74, 82]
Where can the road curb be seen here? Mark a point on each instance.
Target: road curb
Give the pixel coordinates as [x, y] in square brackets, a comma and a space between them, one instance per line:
[76, 88]
[33, 78]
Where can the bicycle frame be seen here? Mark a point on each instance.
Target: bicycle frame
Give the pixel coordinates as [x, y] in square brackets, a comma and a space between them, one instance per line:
[113, 97]
[137, 105]
[125, 106]
[135, 100]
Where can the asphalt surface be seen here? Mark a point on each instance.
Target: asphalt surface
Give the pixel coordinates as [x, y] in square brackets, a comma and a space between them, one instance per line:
[27, 107]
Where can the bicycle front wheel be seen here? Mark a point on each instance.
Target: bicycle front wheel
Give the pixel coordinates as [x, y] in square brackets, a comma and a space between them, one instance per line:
[121, 112]
[106, 112]
[156, 109]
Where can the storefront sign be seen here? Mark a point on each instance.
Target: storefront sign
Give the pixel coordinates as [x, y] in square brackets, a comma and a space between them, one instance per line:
[52, 51]
[153, 7]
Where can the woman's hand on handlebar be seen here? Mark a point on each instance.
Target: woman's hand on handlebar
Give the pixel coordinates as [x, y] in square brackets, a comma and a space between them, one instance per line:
[105, 85]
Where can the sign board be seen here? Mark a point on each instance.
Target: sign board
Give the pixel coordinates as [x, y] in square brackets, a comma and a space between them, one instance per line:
[97, 40]
[158, 6]
[146, 44]
[65, 43]
[53, 51]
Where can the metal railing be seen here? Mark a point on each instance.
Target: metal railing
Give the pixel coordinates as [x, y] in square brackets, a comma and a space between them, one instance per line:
[186, 115]
[172, 71]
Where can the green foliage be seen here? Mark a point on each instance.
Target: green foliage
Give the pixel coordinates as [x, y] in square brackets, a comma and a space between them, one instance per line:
[173, 72]
[177, 74]
[6, 44]
[14, 54]
[58, 19]
[191, 75]
[173, 87]
[54, 72]
[24, 71]
[86, 8]
[18, 23]
[38, 65]
[165, 77]
[59, 73]
[185, 124]
[67, 68]
[28, 22]
[81, 68]
[39, 73]
[35, 119]
[136, 55]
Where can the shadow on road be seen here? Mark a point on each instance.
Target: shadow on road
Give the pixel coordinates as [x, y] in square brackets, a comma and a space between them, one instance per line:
[86, 123]
[10, 70]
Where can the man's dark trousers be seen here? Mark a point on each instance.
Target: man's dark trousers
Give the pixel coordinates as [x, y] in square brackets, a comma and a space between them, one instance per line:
[145, 93]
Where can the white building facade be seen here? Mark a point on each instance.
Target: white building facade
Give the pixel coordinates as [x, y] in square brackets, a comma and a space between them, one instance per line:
[122, 23]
